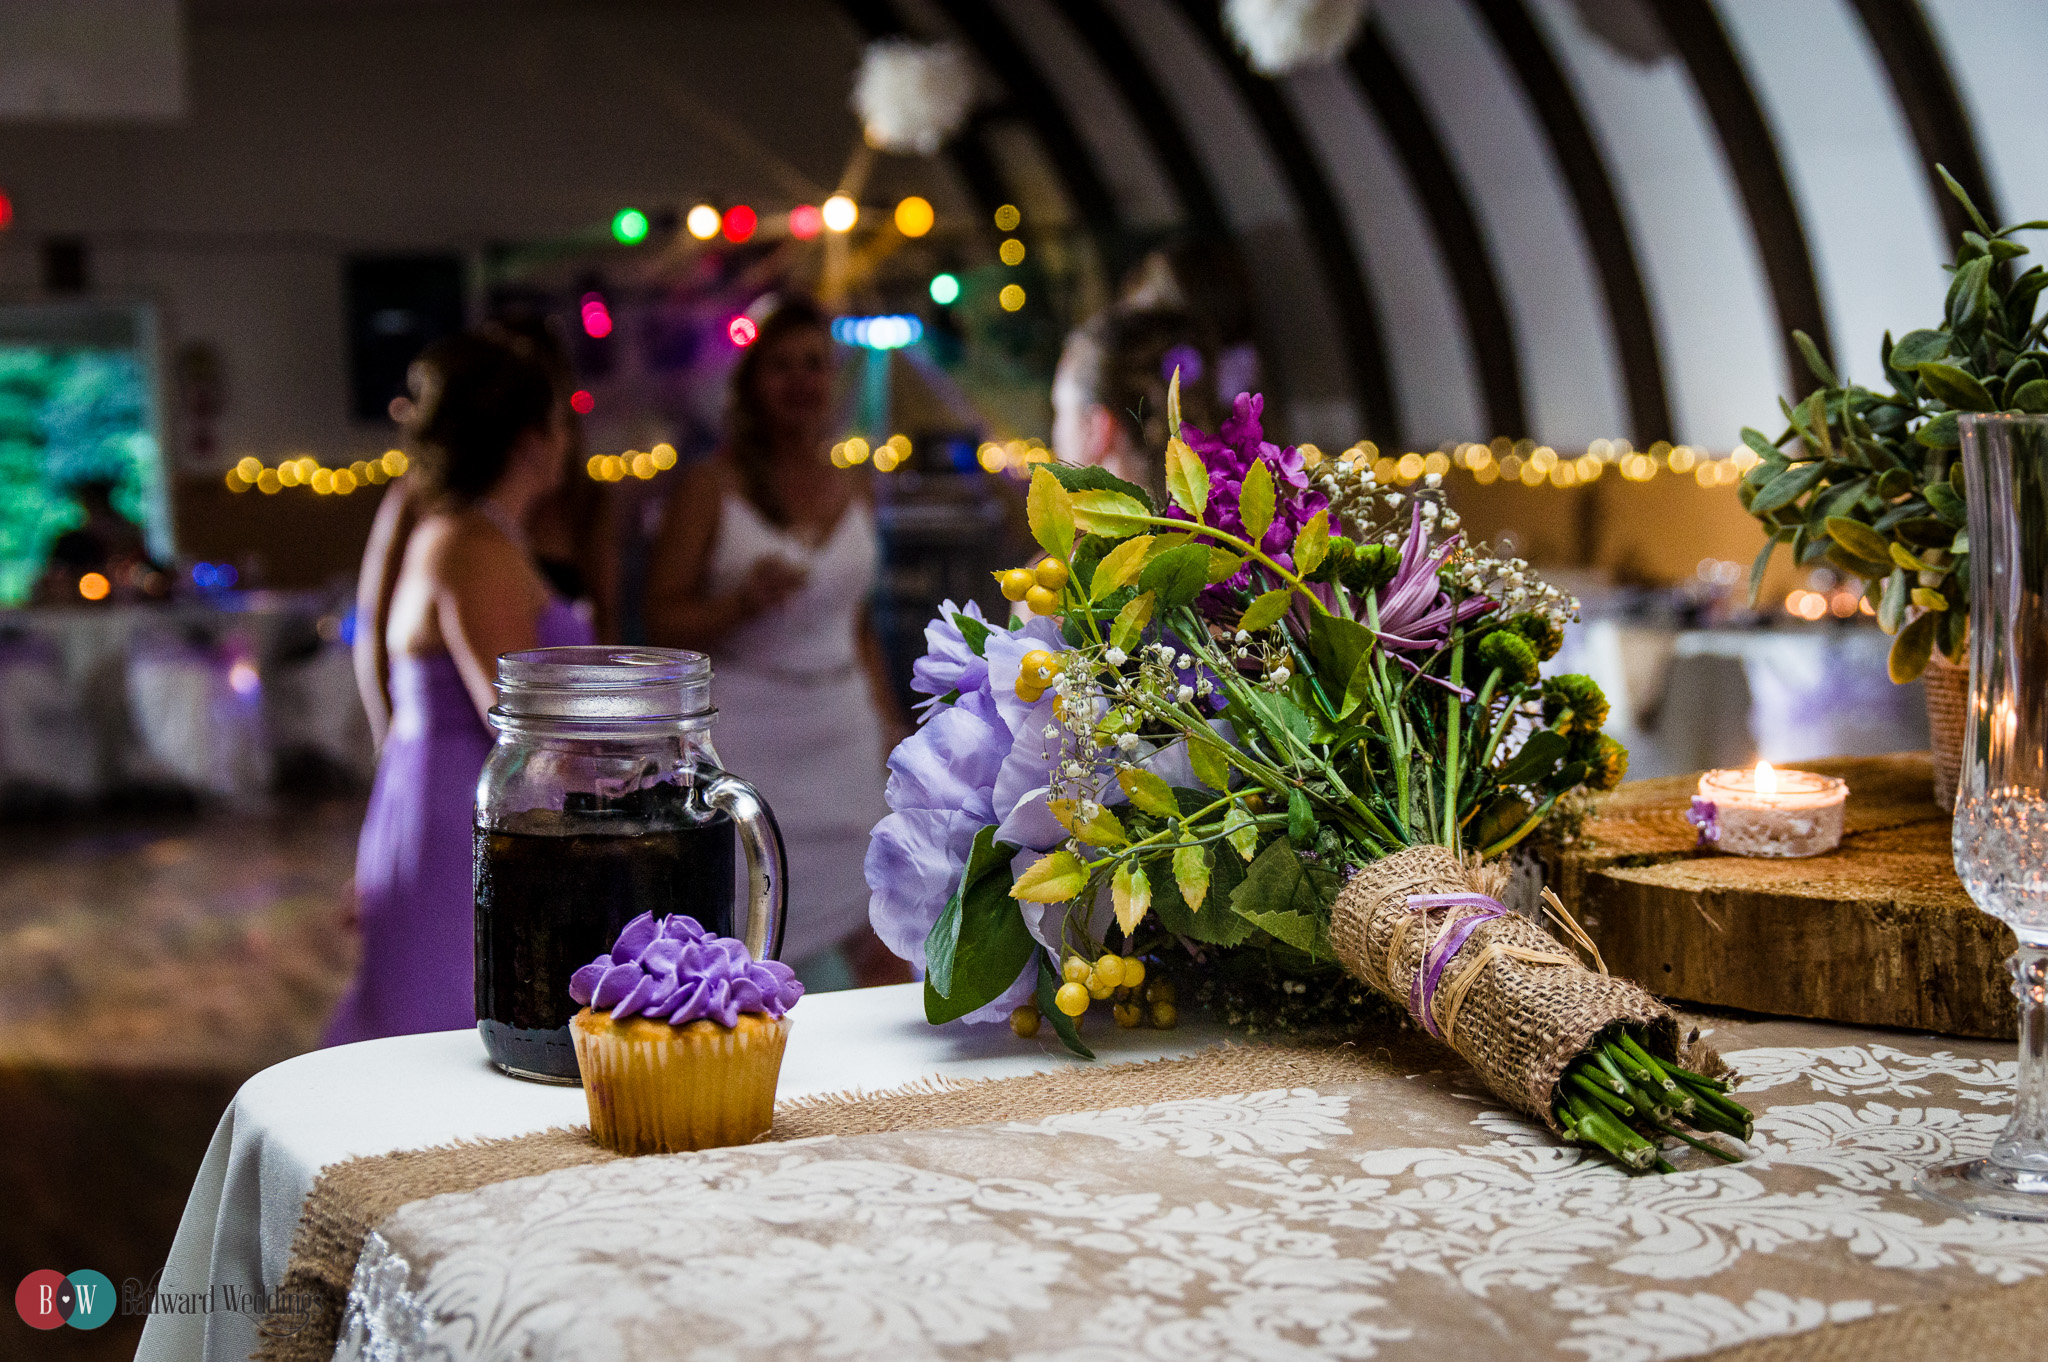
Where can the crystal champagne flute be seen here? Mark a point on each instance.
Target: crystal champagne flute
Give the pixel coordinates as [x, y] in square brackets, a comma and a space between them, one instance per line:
[2001, 815]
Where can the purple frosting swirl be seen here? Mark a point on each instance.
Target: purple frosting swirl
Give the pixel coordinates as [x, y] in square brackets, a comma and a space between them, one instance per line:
[675, 971]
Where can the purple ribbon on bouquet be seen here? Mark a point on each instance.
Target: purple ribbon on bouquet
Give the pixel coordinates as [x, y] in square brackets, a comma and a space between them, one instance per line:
[1422, 988]
[1706, 816]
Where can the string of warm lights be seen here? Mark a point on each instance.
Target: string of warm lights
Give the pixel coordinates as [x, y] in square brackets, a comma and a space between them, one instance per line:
[634, 463]
[307, 471]
[1538, 465]
[888, 455]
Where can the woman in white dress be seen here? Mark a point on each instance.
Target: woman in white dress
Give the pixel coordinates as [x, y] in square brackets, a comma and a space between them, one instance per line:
[767, 561]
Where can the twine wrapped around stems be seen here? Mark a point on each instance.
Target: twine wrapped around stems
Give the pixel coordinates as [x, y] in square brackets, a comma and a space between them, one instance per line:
[1423, 929]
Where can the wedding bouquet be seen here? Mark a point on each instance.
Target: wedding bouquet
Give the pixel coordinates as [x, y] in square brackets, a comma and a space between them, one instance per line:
[1285, 727]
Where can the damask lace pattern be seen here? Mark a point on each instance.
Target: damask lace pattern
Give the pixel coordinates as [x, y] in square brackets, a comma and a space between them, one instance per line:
[1404, 1217]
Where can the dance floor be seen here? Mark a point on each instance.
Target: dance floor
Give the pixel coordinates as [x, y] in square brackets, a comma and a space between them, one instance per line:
[148, 964]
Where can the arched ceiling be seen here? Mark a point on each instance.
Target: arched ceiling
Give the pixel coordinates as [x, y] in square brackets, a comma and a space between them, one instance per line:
[1566, 219]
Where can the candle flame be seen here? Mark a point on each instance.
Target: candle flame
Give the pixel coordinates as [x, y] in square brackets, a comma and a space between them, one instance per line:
[1766, 778]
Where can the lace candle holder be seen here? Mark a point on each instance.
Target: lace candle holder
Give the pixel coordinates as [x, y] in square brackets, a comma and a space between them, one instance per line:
[1768, 812]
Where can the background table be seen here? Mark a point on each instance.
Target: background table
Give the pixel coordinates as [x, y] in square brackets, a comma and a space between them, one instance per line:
[412, 1092]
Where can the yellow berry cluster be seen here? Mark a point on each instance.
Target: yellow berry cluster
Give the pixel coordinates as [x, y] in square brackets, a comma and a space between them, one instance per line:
[1035, 671]
[1116, 979]
[1039, 588]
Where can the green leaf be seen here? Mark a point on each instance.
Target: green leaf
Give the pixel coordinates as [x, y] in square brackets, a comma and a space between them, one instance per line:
[1223, 565]
[1891, 605]
[1790, 485]
[1905, 558]
[1918, 347]
[1926, 532]
[1946, 502]
[1191, 875]
[1255, 501]
[1811, 352]
[973, 632]
[1762, 447]
[1537, 759]
[1286, 898]
[1962, 196]
[1210, 765]
[1299, 930]
[1052, 878]
[1051, 513]
[1301, 819]
[1130, 895]
[1240, 831]
[1943, 432]
[1312, 544]
[1119, 567]
[1089, 478]
[980, 944]
[1049, 983]
[1860, 540]
[1110, 514]
[1148, 792]
[2032, 397]
[1187, 478]
[1103, 829]
[1130, 622]
[1213, 924]
[1927, 598]
[1759, 567]
[1266, 611]
[1912, 648]
[1177, 576]
[1955, 388]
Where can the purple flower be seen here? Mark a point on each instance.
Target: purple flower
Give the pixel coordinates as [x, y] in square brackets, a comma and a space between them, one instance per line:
[1706, 816]
[949, 664]
[1415, 611]
[1228, 456]
[985, 759]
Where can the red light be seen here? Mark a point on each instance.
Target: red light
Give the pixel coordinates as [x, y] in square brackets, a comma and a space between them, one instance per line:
[597, 318]
[739, 222]
[742, 330]
[805, 221]
[7, 211]
[581, 402]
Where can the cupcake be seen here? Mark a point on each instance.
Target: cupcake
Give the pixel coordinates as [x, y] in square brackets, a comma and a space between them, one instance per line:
[680, 1038]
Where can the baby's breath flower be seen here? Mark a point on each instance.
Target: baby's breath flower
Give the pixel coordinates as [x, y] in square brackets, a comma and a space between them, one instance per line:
[1115, 657]
[1184, 694]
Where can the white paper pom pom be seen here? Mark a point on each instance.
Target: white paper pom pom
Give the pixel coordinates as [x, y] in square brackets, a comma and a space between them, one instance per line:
[1279, 36]
[912, 96]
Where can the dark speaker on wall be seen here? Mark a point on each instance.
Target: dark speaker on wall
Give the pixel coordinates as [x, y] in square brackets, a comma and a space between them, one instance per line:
[397, 306]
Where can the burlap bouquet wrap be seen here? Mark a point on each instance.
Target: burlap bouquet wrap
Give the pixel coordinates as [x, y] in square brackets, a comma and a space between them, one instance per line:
[1511, 1000]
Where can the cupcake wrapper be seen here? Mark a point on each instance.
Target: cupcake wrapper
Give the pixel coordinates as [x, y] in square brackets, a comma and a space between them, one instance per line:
[660, 1089]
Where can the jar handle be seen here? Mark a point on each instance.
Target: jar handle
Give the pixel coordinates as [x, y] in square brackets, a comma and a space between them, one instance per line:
[767, 870]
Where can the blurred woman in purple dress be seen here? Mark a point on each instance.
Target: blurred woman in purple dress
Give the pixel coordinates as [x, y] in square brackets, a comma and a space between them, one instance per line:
[487, 430]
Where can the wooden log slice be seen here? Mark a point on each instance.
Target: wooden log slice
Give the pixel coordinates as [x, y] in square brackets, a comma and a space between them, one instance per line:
[1879, 932]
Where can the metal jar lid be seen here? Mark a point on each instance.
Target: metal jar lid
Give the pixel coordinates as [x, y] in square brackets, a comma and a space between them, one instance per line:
[588, 688]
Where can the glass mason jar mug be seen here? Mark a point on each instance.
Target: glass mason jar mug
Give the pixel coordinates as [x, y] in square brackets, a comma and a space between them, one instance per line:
[602, 799]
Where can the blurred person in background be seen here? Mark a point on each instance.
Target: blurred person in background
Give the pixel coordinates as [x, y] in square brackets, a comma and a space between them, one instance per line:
[486, 429]
[767, 561]
[1205, 280]
[1109, 391]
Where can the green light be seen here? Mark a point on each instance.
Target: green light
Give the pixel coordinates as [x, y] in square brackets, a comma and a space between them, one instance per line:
[630, 226]
[945, 289]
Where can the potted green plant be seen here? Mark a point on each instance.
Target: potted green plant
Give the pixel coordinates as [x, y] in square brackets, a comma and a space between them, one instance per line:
[1869, 483]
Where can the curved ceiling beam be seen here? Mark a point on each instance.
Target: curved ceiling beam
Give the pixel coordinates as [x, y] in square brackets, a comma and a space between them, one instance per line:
[1461, 242]
[1034, 98]
[1549, 91]
[1142, 95]
[1322, 221]
[1927, 95]
[1746, 140]
[969, 151]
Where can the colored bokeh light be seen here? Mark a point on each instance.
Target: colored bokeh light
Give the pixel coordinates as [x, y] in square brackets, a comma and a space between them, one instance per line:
[597, 318]
[581, 402]
[1011, 252]
[94, 586]
[1007, 218]
[1012, 297]
[840, 213]
[741, 330]
[805, 221]
[945, 289]
[914, 216]
[703, 222]
[629, 226]
[6, 211]
[740, 222]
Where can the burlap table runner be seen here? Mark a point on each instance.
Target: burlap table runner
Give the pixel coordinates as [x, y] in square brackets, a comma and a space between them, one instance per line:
[1871, 1103]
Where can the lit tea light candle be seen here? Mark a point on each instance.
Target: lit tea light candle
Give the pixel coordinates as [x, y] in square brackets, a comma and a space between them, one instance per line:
[1768, 812]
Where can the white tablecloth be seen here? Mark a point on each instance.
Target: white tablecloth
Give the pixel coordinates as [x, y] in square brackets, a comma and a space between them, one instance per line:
[412, 1092]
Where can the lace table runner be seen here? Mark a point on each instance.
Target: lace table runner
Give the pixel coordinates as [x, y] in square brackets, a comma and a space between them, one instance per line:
[1392, 1216]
